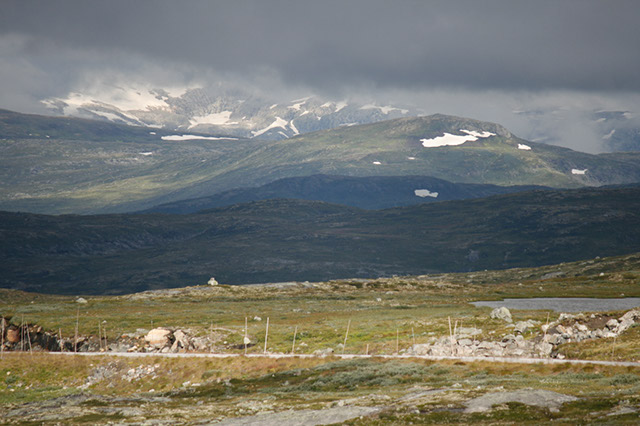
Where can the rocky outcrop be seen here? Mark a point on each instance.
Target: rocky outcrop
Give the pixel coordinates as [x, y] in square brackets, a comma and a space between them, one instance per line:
[576, 328]
[536, 397]
[509, 346]
[567, 328]
[30, 337]
[165, 340]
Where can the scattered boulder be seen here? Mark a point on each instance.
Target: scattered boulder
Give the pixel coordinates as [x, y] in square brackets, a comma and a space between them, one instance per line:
[627, 320]
[181, 342]
[550, 275]
[544, 349]
[537, 397]
[212, 281]
[523, 326]
[502, 313]
[509, 338]
[13, 334]
[81, 300]
[159, 337]
[612, 324]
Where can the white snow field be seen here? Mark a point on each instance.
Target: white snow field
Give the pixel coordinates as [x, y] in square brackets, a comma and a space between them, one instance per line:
[449, 139]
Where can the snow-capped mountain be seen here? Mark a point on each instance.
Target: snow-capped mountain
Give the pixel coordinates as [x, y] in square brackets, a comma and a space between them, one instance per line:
[228, 111]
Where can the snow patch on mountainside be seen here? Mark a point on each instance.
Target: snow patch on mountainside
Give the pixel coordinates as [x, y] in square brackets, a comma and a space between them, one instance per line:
[122, 97]
[524, 147]
[578, 171]
[191, 137]
[449, 139]
[340, 106]
[425, 193]
[279, 122]
[298, 103]
[214, 110]
[216, 118]
[482, 134]
[294, 128]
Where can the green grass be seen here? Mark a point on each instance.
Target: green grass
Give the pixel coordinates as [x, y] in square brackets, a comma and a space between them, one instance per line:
[223, 385]
[243, 386]
[377, 308]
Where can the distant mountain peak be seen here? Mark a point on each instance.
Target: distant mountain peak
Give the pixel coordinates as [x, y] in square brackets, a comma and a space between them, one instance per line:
[219, 110]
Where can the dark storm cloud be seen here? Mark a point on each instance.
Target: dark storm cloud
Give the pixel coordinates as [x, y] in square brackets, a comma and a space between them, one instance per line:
[531, 45]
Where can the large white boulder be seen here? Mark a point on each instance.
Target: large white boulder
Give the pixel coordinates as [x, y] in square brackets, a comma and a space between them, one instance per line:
[159, 337]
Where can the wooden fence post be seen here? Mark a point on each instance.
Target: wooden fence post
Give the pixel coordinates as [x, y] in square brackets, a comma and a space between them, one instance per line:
[344, 345]
[293, 346]
[266, 336]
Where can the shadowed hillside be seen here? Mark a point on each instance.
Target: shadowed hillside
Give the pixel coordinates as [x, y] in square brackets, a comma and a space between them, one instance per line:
[279, 240]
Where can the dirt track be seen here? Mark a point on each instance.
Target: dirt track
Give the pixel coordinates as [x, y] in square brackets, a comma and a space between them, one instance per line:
[354, 356]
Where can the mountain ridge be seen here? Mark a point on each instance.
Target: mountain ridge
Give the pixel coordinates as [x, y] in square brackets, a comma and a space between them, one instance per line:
[370, 192]
[284, 240]
[225, 110]
[140, 168]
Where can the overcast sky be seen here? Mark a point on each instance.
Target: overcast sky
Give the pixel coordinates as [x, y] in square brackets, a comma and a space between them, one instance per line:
[481, 58]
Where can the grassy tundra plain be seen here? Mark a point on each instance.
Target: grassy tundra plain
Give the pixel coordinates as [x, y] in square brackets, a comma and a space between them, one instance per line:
[385, 316]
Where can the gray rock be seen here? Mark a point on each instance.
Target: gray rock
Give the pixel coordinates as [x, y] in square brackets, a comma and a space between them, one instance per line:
[509, 338]
[627, 320]
[181, 339]
[302, 417]
[522, 326]
[581, 327]
[502, 313]
[420, 349]
[463, 332]
[612, 324]
[550, 275]
[487, 345]
[554, 339]
[537, 397]
[620, 411]
[544, 349]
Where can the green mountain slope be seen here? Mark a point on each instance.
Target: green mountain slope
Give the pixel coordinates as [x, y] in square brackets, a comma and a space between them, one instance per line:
[90, 166]
[397, 146]
[373, 192]
[97, 167]
[279, 240]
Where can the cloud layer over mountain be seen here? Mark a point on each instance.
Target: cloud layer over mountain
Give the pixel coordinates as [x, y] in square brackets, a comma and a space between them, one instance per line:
[488, 58]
